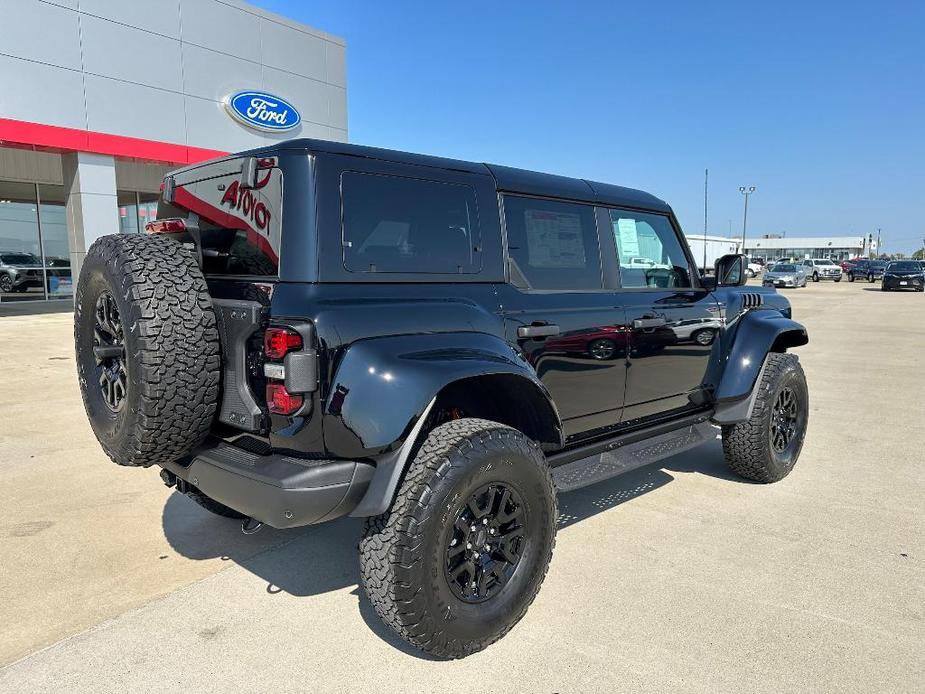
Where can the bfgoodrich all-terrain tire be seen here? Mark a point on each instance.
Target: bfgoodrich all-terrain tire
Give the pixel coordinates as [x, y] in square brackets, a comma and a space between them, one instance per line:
[457, 560]
[147, 348]
[766, 446]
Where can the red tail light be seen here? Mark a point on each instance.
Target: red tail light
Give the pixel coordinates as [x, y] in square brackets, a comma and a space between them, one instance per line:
[277, 342]
[161, 226]
[281, 401]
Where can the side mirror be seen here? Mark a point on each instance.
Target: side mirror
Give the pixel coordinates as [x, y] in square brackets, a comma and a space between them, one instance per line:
[730, 271]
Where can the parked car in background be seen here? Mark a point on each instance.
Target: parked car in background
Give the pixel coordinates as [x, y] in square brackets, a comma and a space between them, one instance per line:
[903, 274]
[785, 275]
[822, 269]
[700, 330]
[847, 265]
[867, 269]
[753, 269]
[19, 271]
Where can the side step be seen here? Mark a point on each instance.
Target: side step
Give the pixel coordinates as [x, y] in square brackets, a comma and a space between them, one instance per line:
[623, 457]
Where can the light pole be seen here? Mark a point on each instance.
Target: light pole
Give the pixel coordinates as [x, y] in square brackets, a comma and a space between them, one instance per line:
[746, 191]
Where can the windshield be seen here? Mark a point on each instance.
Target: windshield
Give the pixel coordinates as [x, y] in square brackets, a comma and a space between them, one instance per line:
[823, 262]
[785, 268]
[906, 265]
[878, 264]
[20, 259]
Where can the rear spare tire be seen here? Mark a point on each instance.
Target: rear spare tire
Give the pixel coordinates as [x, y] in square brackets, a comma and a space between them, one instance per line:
[147, 348]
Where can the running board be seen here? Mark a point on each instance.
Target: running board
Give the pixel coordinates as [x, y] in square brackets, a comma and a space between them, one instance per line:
[625, 456]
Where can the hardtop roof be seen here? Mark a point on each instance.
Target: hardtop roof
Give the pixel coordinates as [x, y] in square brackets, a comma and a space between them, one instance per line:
[507, 179]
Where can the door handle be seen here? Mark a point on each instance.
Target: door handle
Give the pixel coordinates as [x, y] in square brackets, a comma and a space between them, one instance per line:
[645, 323]
[547, 330]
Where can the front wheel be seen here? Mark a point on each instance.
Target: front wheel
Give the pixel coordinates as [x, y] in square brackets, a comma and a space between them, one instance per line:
[765, 447]
[457, 560]
[838, 279]
[870, 278]
[815, 277]
[749, 273]
[850, 277]
[6, 283]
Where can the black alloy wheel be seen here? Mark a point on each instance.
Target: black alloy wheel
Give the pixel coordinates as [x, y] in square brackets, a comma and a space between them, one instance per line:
[109, 352]
[6, 283]
[784, 420]
[486, 542]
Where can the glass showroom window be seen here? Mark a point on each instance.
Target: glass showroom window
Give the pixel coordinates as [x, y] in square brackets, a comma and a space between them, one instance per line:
[55, 248]
[21, 274]
[135, 210]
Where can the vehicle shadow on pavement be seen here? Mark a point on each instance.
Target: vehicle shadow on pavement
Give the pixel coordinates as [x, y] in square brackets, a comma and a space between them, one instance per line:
[318, 559]
[581, 504]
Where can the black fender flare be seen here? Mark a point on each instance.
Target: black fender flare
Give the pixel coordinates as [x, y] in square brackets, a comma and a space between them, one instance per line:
[755, 334]
[383, 389]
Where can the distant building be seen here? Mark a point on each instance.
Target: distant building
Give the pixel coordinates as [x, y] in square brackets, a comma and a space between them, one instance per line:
[834, 247]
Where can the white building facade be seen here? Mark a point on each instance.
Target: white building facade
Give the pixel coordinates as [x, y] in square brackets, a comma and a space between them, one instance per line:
[98, 99]
[797, 248]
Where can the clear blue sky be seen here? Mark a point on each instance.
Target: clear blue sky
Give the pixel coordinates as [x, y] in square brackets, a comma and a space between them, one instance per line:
[821, 105]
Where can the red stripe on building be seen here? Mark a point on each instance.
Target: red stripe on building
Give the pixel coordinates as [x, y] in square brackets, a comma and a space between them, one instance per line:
[54, 138]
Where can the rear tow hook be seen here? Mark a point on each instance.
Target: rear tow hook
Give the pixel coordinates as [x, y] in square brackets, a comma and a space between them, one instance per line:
[249, 526]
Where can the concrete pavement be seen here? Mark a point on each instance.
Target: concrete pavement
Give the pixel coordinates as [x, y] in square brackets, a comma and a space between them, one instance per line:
[678, 578]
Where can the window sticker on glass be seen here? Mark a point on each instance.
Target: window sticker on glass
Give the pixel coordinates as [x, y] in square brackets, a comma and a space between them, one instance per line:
[628, 237]
[554, 239]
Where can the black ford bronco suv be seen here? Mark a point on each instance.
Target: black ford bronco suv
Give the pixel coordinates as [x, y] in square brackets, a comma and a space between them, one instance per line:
[314, 330]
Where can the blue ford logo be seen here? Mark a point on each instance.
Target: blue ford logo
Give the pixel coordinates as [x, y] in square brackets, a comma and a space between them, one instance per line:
[262, 111]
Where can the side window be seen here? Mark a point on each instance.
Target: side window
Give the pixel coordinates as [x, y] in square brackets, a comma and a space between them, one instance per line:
[552, 245]
[650, 252]
[395, 224]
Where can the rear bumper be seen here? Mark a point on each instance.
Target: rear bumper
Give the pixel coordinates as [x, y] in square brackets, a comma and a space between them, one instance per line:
[278, 490]
[912, 282]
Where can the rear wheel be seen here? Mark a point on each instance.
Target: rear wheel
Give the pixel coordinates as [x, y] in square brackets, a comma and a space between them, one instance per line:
[457, 560]
[704, 336]
[850, 277]
[766, 446]
[602, 349]
[147, 348]
[870, 278]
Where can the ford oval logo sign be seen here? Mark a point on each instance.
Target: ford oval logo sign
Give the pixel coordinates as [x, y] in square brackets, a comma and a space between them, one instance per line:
[262, 111]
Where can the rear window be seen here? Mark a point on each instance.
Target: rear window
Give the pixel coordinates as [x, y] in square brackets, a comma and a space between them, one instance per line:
[240, 227]
[409, 225]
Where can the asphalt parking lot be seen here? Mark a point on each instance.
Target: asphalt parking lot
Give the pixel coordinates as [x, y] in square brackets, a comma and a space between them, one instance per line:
[675, 578]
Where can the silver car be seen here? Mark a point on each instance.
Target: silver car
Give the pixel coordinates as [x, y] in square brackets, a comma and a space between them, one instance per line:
[785, 275]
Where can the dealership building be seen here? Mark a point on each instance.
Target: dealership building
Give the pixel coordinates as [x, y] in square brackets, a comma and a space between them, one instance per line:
[832, 247]
[99, 98]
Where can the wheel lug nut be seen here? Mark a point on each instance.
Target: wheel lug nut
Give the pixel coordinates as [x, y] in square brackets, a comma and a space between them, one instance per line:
[491, 531]
[475, 555]
[468, 545]
[472, 528]
[452, 542]
[487, 548]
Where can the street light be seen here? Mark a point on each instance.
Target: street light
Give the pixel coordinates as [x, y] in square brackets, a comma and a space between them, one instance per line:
[746, 191]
